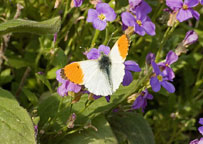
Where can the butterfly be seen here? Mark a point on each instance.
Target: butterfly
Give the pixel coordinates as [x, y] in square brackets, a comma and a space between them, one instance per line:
[102, 76]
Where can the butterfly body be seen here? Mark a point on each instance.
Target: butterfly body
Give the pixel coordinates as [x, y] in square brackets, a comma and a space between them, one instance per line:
[102, 76]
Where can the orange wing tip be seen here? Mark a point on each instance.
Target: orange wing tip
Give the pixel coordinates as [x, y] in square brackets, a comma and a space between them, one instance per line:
[123, 44]
[73, 72]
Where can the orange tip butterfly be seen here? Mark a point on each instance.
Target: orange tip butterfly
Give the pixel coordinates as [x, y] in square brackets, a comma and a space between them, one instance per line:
[102, 76]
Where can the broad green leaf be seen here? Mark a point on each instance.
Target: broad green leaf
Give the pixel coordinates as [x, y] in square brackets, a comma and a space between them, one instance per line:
[15, 124]
[132, 128]
[99, 133]
[49, 26]
[44, 80]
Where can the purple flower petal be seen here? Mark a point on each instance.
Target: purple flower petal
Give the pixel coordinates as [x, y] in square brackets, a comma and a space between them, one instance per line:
[144, 8]
[92, 15]
[139, 30]
[61, 90]
[149, 96]
[200, 129]
[104, 49]
[195, 14]
[77, 3]
[168, 86]
[134, 3]
[132, 66]
[128, 19]
[156, 68]
[154, 82]
[171, 57]
[184, 15]
[191, 3]
[200, 141]
[73, 87]
[201, 2]
[174, 3]
[93, 54]
[150, 57]
[168, 72]
[104, 8]
[201, 121]
[107, 98]
[149, 27]
[195, 141]
[99, 24]
[58, 76]
[96, 97]
[128, 78]
[138, 102]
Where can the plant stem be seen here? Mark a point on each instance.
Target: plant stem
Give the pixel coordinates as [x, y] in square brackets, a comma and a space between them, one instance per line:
[106, 37]
[168, 32]
[96, 34]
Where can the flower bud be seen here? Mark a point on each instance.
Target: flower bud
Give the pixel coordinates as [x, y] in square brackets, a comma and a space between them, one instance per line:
[190, 38]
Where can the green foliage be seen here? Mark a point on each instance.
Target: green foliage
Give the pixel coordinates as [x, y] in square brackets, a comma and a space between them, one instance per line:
[15, 123]
[131, 128]
[29, 59]
[50, 26]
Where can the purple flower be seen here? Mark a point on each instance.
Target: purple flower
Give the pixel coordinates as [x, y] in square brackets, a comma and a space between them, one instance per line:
[160, 80]
[190, 38]
[66, 85]
[165, 66]
[185, 10]
[141, 23]
[150, 57]
[141, 100]
[101, 15]
[77, 3]
[95, 53]
[130, 66]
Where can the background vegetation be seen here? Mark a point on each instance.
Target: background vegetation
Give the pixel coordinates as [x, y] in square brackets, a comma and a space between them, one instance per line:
[29, 58]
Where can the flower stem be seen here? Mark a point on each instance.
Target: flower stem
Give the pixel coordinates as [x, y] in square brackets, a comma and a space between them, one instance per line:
[106, 37]
[168, 32]
[96, 34]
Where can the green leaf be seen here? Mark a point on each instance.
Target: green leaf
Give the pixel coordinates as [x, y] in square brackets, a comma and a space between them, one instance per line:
[48, 109]
[15, 123]
[31, 96]
[44, 80]
[51, 74]
[99, 132]
[131, 127]
[5, 76]
[49, 26]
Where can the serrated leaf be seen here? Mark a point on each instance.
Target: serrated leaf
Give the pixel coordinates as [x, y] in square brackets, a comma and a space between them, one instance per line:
[99, 133]
[131, 127]
[15, 124]
[49, 26]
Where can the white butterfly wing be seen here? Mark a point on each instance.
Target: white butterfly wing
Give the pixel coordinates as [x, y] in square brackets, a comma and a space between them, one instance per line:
[95, 80]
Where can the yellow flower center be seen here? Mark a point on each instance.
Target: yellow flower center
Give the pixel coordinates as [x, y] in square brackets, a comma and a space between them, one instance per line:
[160, 78]
[166, 65]
[102, 17]
[185, 7]
[139, 22]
